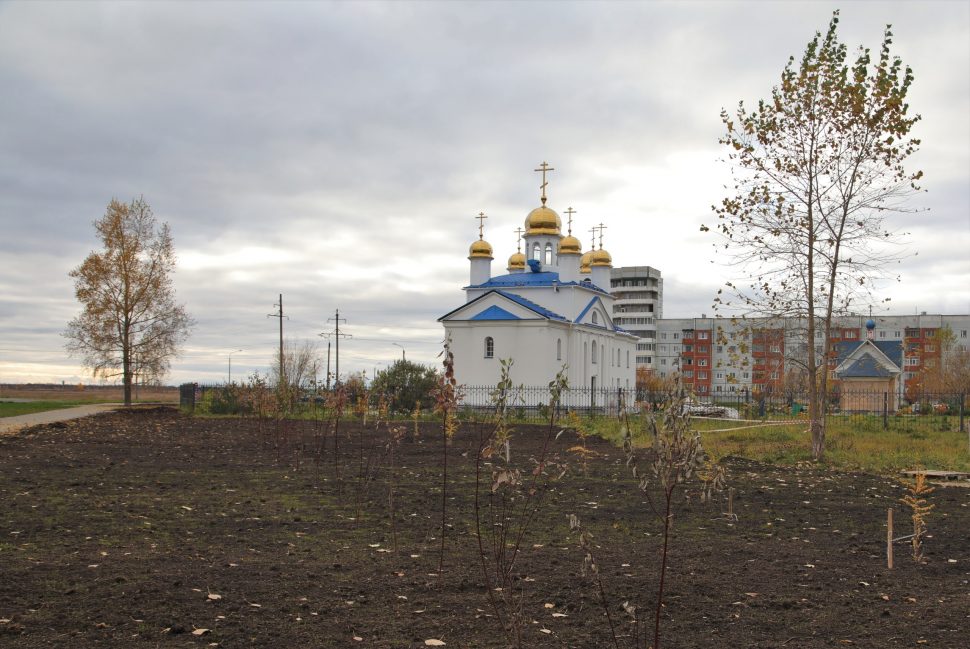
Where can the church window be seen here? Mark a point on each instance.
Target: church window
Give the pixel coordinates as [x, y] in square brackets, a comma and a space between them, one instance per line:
[628, 358]
[548, 259]
[489, 347]
[595, 318]
[593, 355]
[559, 349]
[537, 252]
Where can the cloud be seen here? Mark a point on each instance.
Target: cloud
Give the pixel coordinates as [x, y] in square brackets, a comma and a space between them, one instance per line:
[338, 152]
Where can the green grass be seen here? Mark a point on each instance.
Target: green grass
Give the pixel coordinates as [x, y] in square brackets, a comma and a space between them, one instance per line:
[9, 409]
[851, 443]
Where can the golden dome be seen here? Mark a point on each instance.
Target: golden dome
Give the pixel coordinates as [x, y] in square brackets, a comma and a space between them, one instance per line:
[569, 245]
[584, 262]
[600, 258]
[517, 261]
[481, 249]
[542, 220]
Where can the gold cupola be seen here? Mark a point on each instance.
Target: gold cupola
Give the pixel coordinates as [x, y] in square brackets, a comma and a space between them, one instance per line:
[542, 220]
[584, 261]
[480, 249]
[570, 245]
[600, 258]
[516, 261]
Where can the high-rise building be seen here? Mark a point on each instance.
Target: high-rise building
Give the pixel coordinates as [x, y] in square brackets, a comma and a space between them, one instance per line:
[637, 306]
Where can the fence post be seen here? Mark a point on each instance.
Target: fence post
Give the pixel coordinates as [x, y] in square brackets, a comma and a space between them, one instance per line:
[963, 400]
[885, 411]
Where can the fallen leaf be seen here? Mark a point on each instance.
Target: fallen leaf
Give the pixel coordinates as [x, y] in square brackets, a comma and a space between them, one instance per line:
[214, 596]
[431, 642]
[200, 632]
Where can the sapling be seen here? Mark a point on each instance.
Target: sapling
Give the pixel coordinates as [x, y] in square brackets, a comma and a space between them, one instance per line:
[512, 502]
[446, 405]
[920, 508]
[675, 456]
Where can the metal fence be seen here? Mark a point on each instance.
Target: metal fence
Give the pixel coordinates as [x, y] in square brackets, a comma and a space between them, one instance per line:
[530, 404]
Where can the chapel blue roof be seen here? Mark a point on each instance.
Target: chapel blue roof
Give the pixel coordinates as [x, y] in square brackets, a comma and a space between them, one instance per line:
[529, 304]
[495, 313]
[893, 349]
[542, 278]
[865, 367]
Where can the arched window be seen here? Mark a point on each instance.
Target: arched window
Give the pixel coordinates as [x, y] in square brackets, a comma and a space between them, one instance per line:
[559, 349]
[593, 355]
[537, 252]
[628, 362]
[489, 347]
[548, 261]
[596, 318]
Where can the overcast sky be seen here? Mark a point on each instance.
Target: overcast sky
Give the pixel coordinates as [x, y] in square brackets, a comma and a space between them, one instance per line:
[338, 152]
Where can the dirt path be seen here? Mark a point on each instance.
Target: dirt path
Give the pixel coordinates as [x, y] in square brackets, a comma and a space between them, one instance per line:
[10, 425]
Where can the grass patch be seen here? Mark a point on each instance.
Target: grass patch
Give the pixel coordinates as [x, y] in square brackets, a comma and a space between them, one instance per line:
[10, 409]
[850, 444]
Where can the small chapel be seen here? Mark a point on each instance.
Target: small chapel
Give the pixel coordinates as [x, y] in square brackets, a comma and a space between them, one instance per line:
[550, 309]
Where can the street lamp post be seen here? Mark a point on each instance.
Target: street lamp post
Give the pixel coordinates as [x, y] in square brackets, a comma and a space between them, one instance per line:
[403, 355]
[230, 363]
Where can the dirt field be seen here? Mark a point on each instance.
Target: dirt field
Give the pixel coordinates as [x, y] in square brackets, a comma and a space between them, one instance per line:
[137, 528]
[100, 393]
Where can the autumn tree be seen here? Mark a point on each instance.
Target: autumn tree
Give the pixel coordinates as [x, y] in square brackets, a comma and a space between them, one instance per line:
[950, 373]
[816, 169]
[407, 384]
[130, 324]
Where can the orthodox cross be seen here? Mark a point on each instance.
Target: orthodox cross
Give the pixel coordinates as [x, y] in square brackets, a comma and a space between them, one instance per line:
[592, 237]
[518, 239]
[544, 167]
[570, 211]
[481, 224]
[601, 228]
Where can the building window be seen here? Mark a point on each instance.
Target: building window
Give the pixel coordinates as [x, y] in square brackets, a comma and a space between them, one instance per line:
[595, 318]
[930, 348]
[663, 361]
[559, 349]
[702, 335]
[663, 335]
[548, 260]
[720, 349]
[882, 334]
[912, 361]
[593, 355]
[689, 374]
[702, 362]
[537, 252]
[702, 375]
[676, 336]
[775, 349]
[963, 334]
[489, 347]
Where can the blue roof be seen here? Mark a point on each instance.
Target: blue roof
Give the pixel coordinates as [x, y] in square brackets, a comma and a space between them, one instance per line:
[529, 304]
[495, 313]
[865, 367]
[543, 278]
[893, 349]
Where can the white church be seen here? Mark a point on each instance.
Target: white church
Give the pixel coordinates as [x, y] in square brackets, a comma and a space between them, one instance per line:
[551, 309]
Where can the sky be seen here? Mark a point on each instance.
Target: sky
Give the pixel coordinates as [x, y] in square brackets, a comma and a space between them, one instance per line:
[338, 153]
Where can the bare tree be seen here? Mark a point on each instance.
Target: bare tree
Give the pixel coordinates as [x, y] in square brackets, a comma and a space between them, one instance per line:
[817, 167]
[301, 360]
[130, 323]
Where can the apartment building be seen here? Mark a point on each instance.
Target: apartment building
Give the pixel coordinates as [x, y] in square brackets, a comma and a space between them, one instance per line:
[638, 306]
[720, 355]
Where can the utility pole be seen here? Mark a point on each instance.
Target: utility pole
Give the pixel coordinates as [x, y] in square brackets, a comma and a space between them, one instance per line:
[337, 335]
[280, 316]
[328, 365]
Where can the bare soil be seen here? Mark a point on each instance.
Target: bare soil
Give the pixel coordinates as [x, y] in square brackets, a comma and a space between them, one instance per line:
[138, 527]
[101, 393]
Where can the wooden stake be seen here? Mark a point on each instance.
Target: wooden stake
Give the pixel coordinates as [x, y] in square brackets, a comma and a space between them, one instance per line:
[889, 538]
